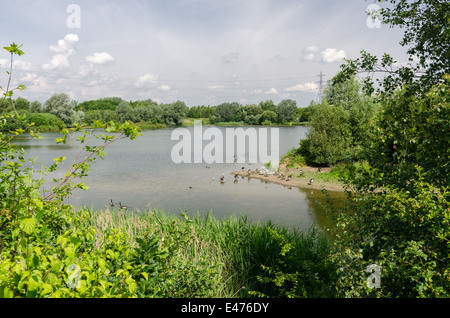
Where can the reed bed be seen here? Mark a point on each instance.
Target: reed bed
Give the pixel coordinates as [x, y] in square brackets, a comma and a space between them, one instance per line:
[241, 251]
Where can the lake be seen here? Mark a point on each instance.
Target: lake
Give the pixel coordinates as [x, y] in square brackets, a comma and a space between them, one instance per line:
[142, 175]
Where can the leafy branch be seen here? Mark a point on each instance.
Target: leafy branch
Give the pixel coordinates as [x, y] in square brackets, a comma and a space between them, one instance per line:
[13, 49]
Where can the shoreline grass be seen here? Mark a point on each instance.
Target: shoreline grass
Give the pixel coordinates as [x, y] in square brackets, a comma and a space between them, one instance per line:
[242, 258]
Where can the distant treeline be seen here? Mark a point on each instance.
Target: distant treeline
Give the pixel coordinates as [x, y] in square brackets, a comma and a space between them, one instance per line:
[60, 111]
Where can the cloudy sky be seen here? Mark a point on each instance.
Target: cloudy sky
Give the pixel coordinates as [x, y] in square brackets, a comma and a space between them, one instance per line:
[203, 52]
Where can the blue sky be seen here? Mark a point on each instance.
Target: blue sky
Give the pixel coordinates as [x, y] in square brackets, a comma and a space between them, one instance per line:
[203, 52]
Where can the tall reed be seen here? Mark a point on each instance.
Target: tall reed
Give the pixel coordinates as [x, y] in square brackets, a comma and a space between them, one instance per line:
[238, 248]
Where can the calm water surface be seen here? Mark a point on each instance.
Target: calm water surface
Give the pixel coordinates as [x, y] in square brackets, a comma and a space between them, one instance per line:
[142, 175]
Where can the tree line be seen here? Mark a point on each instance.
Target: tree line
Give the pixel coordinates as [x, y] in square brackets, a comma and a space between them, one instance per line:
[61, 111]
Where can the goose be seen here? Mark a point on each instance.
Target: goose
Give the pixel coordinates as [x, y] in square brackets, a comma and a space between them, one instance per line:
[311, 181]
[124, 207]
[236, 176]
[222, 178]
[111, 203]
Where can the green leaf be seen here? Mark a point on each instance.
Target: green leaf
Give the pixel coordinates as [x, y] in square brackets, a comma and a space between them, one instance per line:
[5, 292]
[28, 225]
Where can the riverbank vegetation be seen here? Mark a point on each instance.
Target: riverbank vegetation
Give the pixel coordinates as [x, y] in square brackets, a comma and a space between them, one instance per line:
[61, 111]
[389, 145]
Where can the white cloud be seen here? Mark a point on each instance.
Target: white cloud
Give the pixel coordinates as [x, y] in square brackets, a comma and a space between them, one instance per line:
[309, 57]
[64, 50]
[86, 70]
[29, 77]
[164, 88]
[306, 87]
[146, 79]
[271, 91]
[215, 87]
[312, 48]
[100, 58]
[309, 53]
[332, 55]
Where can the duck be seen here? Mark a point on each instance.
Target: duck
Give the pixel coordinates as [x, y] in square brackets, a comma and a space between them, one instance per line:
[122, 207]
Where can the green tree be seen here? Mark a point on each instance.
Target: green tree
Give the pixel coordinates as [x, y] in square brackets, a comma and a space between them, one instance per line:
[108, 103]
[426, 35]
[35, 107]
[341, 127]
[174, 113]
[398, 213]
[269, 116]
[268, 105]
[412, 131]
[226, 112]
[286, 111]
[305, 113]
[124, 112]
[62, 106]
[329, 139]
[22, 104]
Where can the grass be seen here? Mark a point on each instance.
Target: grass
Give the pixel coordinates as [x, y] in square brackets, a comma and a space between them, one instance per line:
[245, 254]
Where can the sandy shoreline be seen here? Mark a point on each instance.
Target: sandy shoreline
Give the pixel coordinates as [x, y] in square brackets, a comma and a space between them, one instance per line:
[298, 179]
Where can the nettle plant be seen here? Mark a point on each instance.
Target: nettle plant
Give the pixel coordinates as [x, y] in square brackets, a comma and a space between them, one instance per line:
[47, 247]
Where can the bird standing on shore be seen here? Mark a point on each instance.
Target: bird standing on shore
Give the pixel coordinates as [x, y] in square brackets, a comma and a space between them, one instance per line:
[310, 181]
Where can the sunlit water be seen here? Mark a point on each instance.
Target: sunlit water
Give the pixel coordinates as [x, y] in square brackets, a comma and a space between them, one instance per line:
[142, 175]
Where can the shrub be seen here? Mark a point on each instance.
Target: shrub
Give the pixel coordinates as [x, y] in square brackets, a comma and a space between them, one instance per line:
[405, 234]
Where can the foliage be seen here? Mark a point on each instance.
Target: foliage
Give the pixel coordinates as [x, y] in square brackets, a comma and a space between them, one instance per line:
[45, 121]
[340, 125]
[61, 106]
[413, 130]
[286, 111]
[426, 34]
[398, 209]
[294, 157]
[302, 269]
[405, 233]
[109, 103]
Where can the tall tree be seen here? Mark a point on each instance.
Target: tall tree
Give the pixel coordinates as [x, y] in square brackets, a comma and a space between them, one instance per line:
[62, 106]
[426, 36]
[286, 110]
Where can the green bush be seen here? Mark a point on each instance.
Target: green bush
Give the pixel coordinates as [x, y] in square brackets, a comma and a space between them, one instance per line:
[404, 233]
[46, 120]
